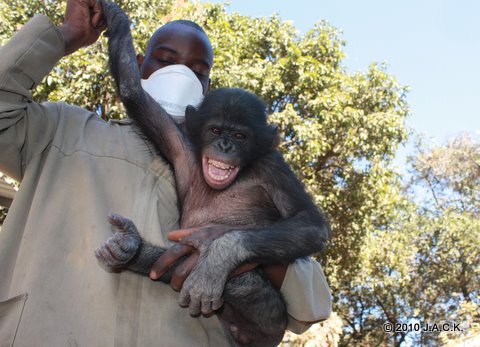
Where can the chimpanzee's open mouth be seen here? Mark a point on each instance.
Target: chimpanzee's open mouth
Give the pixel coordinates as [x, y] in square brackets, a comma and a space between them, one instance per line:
[217, 174]
[219, 171]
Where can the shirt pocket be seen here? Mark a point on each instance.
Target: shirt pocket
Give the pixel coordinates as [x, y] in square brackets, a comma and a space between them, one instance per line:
[11, 312]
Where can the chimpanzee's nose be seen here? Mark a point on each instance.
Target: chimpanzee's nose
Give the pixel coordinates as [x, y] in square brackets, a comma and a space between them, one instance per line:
[225, 145]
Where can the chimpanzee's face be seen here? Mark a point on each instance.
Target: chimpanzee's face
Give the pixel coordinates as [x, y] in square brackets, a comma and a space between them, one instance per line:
[229, 132]
[225, 152]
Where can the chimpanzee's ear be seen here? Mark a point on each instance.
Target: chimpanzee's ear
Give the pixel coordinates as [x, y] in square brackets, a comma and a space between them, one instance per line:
[273, 130]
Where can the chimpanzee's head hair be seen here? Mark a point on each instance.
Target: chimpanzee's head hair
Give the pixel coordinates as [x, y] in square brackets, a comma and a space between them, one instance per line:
[229, 131]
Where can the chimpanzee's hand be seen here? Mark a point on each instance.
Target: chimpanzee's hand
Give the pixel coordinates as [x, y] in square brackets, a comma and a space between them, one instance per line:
[112, 14]
[118, 250]
[202, 290]
[82, 25]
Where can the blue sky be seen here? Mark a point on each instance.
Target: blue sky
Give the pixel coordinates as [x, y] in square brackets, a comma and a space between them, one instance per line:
[431, 46]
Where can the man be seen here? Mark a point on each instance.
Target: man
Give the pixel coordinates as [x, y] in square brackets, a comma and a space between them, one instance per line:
[74, 170]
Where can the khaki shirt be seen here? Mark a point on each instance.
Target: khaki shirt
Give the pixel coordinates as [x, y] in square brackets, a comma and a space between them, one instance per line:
[74, 170]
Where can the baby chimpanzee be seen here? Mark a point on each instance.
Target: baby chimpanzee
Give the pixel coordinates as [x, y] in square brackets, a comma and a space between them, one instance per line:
[228, 172]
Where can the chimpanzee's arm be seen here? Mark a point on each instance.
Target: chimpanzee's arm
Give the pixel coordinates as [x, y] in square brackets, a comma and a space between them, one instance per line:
[154, 122]
[303, 229]
[254, 311]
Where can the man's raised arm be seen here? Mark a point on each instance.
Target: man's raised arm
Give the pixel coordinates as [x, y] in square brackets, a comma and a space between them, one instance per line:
[26, 127]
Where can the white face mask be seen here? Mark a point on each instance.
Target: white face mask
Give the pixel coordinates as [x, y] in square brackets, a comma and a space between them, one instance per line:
[174, 87]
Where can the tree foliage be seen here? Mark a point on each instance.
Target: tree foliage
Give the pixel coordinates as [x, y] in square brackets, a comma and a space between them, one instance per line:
[423, 267]
[394, 257]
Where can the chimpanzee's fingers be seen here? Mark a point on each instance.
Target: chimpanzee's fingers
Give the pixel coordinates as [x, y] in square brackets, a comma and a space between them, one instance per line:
[206, 307]
[116, 220]
[167, 259]
[114, 248]
[184, 298]
[127, 242]
[98, 255]
[121, 223]
[119, 252]
[103, 254]
[216, 304]
[195, 306]
[183, 270]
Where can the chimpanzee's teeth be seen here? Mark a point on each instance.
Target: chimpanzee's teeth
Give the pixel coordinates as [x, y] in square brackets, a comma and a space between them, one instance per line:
[219, 177]
[219, 171]
[220, 165]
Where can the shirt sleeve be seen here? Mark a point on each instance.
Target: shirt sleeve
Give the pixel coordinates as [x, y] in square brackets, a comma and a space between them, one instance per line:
[26, 127]
[307, 294]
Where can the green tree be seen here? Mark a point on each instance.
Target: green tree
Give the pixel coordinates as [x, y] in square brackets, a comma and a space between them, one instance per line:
[423, 266]
[340, 129]
[450, 175]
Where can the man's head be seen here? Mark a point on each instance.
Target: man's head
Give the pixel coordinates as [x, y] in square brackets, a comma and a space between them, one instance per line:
[179, 42]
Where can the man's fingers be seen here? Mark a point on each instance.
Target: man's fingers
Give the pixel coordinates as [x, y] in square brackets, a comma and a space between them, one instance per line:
[97, 16]
[167, 259]
[183, 270]
[243, 268]
[179, 234]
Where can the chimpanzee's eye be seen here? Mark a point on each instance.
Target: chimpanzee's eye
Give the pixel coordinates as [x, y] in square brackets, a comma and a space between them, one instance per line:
[240, 136]
[216, 131]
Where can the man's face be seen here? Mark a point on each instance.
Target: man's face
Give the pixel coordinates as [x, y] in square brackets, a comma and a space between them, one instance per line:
[177, 43]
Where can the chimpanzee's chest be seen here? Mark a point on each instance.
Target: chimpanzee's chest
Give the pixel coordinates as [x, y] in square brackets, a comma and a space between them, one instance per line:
[244, 203]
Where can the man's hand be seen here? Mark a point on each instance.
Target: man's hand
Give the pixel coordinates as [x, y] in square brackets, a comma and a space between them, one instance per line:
[82, 25]
[190, 241]
[170, 257]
